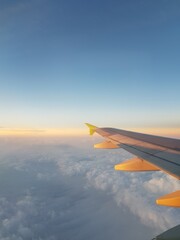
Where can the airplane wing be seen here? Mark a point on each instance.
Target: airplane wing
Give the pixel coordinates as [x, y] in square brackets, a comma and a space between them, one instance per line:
[171, 234]
[153, 153]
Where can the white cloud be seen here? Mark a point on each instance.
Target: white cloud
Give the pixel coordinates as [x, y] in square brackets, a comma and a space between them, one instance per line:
[59, 186]
[161, 184]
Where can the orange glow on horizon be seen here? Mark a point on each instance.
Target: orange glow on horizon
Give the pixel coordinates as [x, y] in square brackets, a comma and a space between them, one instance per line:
[169, 132]
[166, 132]
[42, 132]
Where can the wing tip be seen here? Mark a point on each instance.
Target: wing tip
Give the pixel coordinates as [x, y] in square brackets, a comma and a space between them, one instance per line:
[91, 127]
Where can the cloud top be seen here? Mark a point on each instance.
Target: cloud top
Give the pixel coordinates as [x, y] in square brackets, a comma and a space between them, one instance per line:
[71, 189]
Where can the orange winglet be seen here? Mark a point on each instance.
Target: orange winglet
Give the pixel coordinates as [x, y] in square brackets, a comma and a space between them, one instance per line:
[170, 200]
[135, 165]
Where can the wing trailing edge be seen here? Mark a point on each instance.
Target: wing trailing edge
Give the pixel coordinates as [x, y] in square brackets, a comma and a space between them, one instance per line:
[152, 153]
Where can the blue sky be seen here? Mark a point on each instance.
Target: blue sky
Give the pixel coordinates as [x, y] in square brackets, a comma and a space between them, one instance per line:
[113, 63]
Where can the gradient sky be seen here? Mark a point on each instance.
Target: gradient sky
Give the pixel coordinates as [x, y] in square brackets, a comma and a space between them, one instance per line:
[112, 63]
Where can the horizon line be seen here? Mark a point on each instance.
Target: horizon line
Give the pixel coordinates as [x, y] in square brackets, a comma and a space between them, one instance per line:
[169, 132]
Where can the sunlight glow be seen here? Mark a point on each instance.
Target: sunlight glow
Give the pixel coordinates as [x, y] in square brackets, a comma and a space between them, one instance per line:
[42, 132]
[168, 132]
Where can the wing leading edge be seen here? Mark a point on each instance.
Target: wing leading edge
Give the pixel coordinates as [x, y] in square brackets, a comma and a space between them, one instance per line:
[153, 153]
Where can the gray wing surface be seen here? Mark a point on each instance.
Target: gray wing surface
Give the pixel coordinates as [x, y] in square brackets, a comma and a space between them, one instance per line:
[159, 151]
[153, 153]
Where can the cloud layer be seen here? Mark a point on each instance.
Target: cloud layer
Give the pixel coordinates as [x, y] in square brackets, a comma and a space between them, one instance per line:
[63, 188]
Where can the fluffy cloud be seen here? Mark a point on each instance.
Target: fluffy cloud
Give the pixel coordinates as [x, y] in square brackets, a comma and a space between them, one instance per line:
[59, 188]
